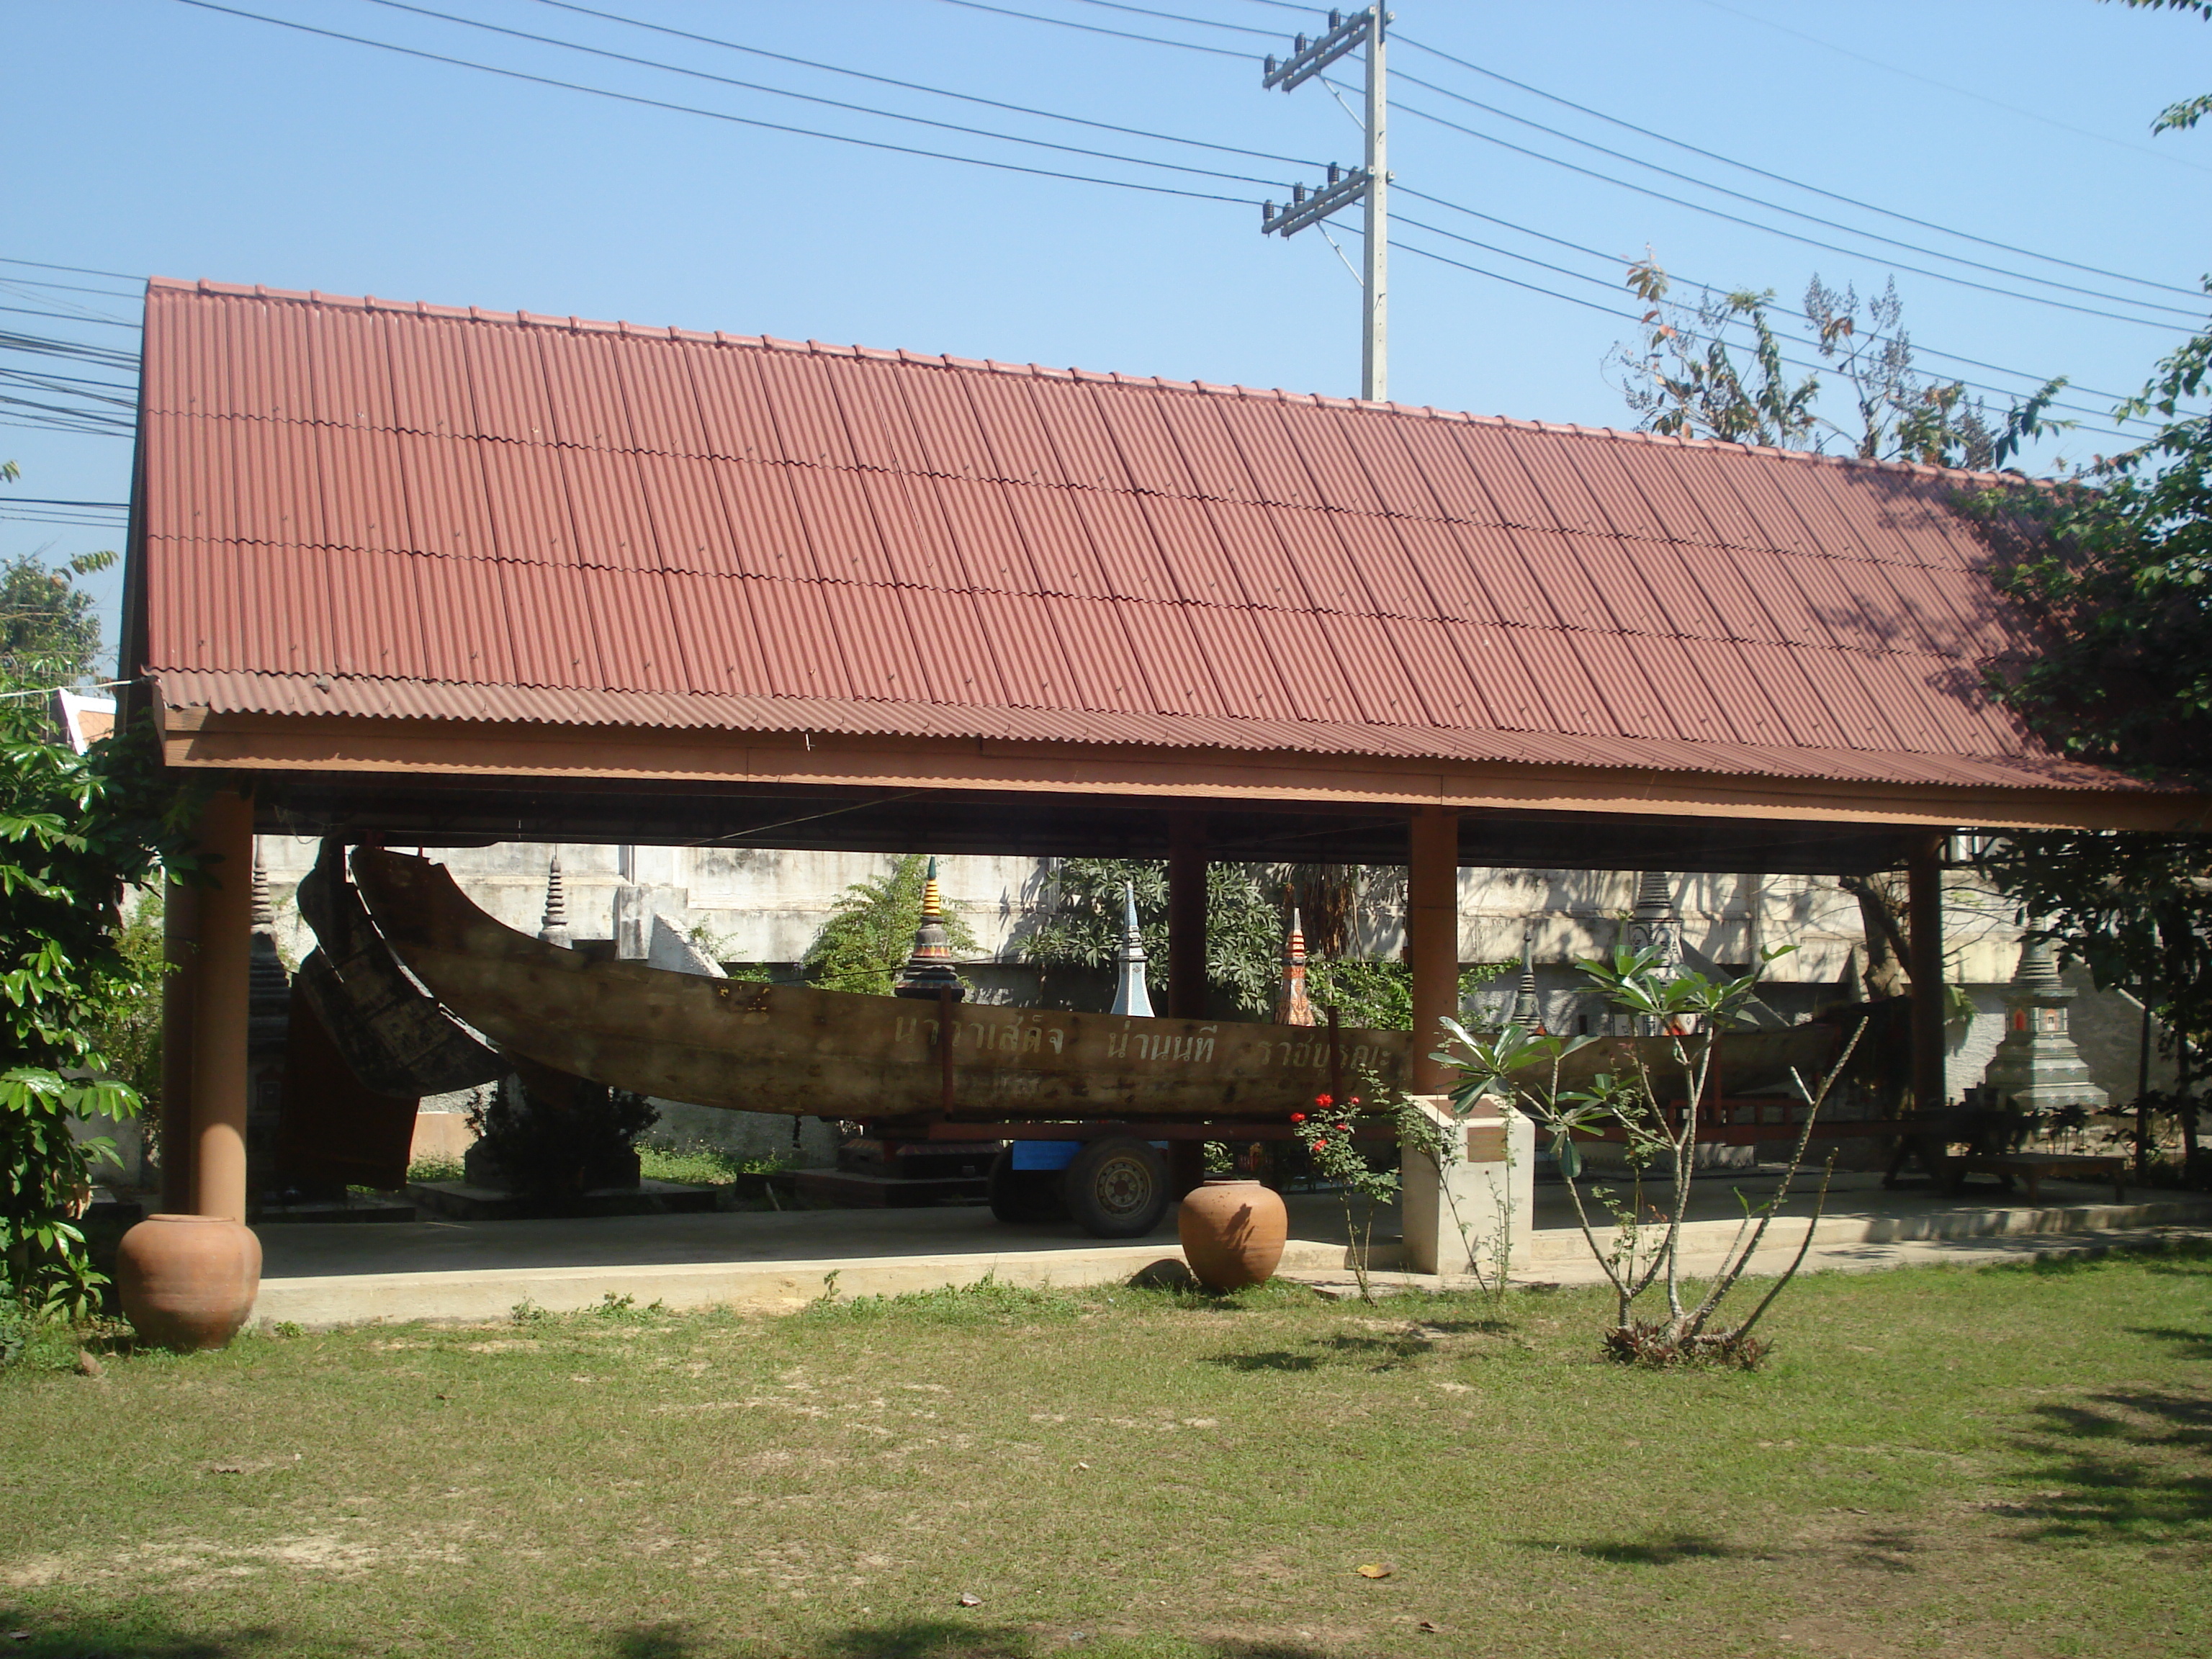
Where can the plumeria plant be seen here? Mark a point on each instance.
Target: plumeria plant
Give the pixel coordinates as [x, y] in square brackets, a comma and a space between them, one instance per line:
[1689, 1012]
[1327, 1134]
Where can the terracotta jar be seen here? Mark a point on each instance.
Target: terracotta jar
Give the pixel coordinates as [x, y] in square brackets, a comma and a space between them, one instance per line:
[1232, 1230]
[188, 1281]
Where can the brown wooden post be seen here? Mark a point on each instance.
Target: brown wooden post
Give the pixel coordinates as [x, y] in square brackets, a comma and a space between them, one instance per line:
[1186, 965]
[180, 940]
[1432, 938]
[219, 1008]
[1186, 916]
[1923, 907]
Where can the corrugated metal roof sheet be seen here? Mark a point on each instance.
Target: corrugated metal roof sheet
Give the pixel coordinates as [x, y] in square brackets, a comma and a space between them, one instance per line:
[353, 506]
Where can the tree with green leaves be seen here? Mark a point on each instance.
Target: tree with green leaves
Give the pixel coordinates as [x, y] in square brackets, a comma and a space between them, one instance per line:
[74, 832]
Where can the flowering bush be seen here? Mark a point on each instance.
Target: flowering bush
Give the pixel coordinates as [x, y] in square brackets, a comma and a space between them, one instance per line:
[1325, 1132]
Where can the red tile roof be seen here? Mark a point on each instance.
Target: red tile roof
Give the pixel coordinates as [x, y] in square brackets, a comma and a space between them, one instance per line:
[360, 506]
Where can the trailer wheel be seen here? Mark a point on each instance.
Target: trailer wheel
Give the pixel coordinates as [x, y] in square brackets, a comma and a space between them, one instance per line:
[1117, 1187]
[1024, 1197]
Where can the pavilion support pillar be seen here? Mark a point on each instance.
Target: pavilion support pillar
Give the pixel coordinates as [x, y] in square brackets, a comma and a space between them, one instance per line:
[218, 1018]
[1923, 905]
[1432, 938]
[1186, 964]
[181, 944]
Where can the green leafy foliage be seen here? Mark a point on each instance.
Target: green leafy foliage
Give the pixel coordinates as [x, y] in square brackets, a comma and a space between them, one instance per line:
[49, 634]
[74, 831]
[869, 934]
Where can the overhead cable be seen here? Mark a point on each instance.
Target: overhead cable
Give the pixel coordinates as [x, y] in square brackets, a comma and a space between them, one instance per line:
[811, 98]
[1709, 287]
[713, 114]
[1092, 29]
[1772, 230]
[916, 86]
[1794, 213]
[80, 271]
[1784, 178]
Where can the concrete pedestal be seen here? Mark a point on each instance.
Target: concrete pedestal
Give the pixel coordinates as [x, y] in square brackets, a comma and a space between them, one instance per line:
[1451, 1216]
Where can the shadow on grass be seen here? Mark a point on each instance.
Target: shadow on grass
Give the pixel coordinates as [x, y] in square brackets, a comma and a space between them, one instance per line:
[1667, 1551]
[921, 1638]
[1276, 1359]
[125, 1636]
[2195, 1345]
[2124, 1461]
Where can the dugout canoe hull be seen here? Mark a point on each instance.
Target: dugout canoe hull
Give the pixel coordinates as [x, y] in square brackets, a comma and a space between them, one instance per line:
[755, 1048]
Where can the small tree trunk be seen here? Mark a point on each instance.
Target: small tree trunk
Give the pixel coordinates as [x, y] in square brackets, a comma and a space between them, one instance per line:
[1881, 915]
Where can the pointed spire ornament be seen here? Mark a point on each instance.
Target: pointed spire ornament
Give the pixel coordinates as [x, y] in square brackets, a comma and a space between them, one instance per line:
[1526, 1013]
[1655, 925]
[264, 915]
[553, 926]
[929, 969]
[1130, 996]
[1293, 1006]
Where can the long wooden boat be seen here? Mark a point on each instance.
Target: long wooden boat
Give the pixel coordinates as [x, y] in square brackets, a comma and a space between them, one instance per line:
[791, 1048]
[795, 1049]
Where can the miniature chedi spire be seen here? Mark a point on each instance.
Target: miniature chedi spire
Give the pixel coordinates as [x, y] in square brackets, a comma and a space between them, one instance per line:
[1130, 996]
[1655, 925]
[929, 968]
[553, 926]
[1293, 1007]
[1525, 1011]
[2036, 1066]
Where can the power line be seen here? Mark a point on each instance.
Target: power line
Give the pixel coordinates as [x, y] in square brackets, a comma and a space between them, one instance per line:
[66, 317]
[1630, 317]
[105, 357]
[810, 98]
[1599, 281]
[67, 288]
[714, 114]
[1177, 17]
[79, 270]
[1708, 288]
[916, 86]
[1776, 207]
[1771, 230]
[1784, 178]
[1092, 29]
[13, 499]
[1945, 85]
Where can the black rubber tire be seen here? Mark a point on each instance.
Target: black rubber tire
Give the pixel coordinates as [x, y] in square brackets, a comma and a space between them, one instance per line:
[1024, 1197]
[1117, 1187]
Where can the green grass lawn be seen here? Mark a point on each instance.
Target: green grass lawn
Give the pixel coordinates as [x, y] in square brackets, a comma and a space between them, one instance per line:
[2003, 1461]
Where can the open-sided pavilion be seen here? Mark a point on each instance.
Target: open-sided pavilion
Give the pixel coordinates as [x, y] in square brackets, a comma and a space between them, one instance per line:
[437, 575]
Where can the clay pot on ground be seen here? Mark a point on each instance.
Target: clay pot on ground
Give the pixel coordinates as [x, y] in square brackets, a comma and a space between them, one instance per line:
[187, 1281]
[1233, 1233]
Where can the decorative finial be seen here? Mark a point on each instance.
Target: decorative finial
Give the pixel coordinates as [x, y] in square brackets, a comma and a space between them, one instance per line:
[1525, 1011]
[2037, 970]
[264, 915]
[1654, 924]
[929, 968]
[1293, 1006]
[553, 926]
[1130, 995]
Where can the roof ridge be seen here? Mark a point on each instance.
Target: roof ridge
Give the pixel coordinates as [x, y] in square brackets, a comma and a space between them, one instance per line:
[207, 288]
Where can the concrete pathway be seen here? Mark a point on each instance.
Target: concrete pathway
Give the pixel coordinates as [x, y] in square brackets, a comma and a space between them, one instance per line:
[474, 1271]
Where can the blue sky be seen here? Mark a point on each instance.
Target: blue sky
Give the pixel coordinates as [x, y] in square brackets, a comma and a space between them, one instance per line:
[154, 137]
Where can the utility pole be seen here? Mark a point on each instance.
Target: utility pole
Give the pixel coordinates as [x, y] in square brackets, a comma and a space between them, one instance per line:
[1369, 184]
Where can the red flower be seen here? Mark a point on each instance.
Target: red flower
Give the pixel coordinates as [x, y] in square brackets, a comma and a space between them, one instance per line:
[1318, 1145]
[1297, 1117]
[1324, 1100]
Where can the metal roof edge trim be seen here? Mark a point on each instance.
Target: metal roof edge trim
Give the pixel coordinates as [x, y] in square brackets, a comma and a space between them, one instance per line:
[360, 697]
[208, 287]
